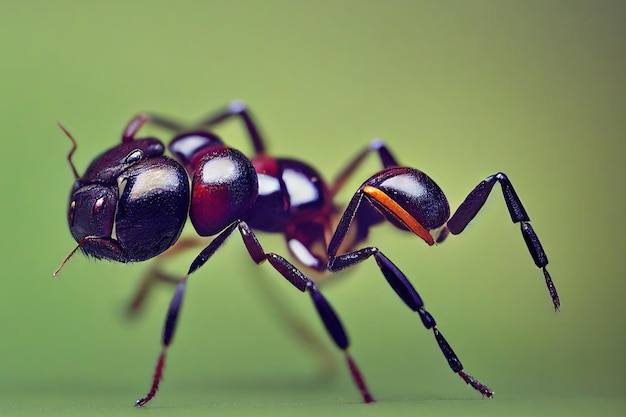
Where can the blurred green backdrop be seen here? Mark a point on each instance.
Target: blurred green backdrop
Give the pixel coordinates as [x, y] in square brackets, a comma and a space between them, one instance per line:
[458, 89]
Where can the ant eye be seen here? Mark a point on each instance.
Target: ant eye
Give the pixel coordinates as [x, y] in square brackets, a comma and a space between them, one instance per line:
[134, 156]
[98, 206]
[71, 212]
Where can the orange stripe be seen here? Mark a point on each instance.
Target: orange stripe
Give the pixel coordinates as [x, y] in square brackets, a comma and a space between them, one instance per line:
[397, 210]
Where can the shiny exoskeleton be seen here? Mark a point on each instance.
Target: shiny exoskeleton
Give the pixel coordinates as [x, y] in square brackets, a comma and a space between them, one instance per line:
[230, 191]
[131, 204]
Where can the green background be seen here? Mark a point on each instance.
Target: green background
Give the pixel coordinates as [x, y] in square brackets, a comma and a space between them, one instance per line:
[458, 89]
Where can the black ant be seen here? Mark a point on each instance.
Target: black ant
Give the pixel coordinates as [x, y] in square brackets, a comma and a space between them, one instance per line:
[132, 203]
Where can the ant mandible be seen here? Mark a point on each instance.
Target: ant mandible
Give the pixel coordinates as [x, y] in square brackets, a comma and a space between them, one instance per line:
[134, 187]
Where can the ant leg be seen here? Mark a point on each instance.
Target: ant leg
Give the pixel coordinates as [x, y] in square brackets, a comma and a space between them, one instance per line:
[405, 290]
[133, 127]
[366, 216]
[325, 311]
[153, 276]
[293, 275]
[156, 274]
[376, 145]
[475, 201]
[166, 123]
[279, 309]
[394, 276]
[288, 271]
[238, 108]
[235, 108]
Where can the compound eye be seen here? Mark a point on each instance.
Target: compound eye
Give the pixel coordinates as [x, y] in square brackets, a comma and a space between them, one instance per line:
[98, 206]
[133, 156]
[71, 212]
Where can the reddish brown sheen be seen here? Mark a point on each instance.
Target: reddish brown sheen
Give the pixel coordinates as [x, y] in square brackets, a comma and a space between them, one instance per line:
[264, 164]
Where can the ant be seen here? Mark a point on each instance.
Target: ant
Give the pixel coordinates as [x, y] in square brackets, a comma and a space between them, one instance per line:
[133, 201]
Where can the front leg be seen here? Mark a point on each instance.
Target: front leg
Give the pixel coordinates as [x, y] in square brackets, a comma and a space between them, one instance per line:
[301, 282]
[475, 201]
